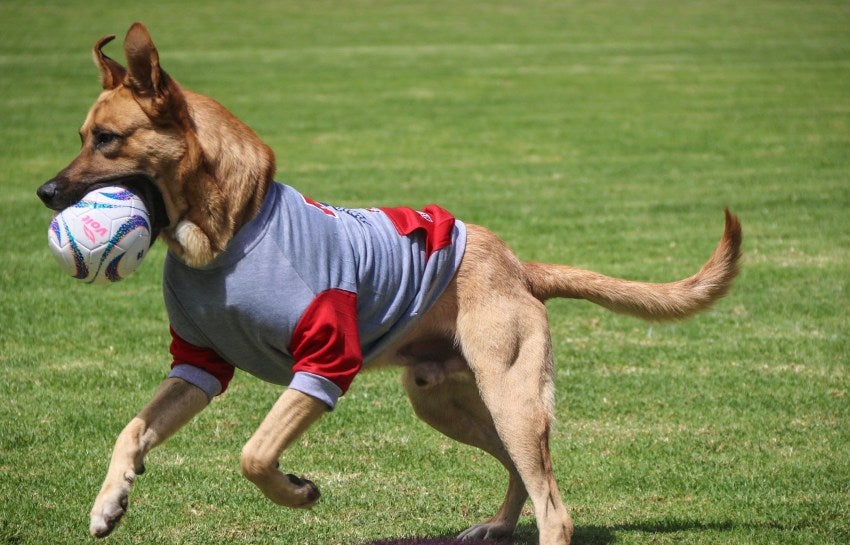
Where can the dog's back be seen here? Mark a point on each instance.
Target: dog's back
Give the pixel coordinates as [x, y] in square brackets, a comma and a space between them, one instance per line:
[300, 271]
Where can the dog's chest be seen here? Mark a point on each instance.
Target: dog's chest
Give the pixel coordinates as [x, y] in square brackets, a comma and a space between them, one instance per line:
[247, 312]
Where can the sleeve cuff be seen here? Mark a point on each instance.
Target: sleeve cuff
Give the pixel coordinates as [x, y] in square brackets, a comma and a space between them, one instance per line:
[197, 377]
[315, 386]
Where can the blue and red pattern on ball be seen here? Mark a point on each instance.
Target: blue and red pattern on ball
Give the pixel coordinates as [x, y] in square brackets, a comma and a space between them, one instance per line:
[132, 223]
[125, 195]
[81, 271]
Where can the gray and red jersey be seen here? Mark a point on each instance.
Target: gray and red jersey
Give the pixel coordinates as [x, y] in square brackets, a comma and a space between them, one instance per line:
[305, 293]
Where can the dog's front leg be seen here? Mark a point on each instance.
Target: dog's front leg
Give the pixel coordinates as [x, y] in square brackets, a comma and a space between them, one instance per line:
[174, 404]
[291, 415]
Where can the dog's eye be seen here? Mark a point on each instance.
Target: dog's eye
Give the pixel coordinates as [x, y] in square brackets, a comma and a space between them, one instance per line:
[104, 138]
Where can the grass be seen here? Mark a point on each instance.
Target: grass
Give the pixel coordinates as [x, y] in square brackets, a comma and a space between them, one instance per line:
[606, 135]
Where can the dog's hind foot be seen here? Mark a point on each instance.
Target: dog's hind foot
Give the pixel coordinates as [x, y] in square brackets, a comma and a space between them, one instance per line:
[487, 530]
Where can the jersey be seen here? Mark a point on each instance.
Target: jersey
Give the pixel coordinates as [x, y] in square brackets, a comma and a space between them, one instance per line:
[306, 294]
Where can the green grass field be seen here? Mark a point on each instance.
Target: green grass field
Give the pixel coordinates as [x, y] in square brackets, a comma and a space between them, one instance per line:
[607, 135]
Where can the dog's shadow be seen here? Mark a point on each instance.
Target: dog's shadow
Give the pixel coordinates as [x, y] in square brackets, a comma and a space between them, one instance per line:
[526, 533]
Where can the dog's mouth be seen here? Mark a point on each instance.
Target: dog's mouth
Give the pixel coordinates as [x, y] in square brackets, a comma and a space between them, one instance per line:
[141, 185]
[152, 197]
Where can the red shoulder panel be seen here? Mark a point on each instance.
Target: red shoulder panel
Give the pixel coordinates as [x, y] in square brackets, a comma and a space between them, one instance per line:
[437, 223]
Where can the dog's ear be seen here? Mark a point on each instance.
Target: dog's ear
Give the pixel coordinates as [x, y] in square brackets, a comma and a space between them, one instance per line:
[145, 77]
[158, 95]
[111, 73]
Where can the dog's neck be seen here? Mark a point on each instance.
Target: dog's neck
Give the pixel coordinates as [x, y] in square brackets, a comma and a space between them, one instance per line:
[225, 176]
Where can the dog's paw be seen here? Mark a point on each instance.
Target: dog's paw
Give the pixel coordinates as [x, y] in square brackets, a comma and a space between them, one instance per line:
[485, 531]
[107, 513]
[305, 490]
[109, 506]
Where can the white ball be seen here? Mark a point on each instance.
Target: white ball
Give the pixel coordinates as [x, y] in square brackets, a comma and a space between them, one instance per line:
[103, 238]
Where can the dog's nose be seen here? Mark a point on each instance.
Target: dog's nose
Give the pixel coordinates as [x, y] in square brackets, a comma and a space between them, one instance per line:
[47, 193]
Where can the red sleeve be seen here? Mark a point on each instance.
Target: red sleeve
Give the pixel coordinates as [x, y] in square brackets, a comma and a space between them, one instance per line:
[185, 353]
[326, 341]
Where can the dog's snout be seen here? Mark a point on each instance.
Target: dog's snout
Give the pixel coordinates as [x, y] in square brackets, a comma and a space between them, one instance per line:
[57, 195]
[47, 193]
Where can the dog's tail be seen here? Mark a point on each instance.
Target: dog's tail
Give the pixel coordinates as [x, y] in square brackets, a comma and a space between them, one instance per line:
[668, 301]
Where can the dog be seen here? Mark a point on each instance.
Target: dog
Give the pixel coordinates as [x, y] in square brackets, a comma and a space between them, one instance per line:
[476, 353]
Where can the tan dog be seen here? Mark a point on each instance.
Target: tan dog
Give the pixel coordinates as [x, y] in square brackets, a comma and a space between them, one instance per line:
[477, 367]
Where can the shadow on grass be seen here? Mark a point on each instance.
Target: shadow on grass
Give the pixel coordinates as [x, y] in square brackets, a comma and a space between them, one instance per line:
[526, 533]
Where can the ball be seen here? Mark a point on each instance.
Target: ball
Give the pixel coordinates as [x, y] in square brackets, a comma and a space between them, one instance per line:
[102, 238]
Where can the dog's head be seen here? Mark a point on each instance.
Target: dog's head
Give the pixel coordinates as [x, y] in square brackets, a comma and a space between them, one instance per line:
[201, 171]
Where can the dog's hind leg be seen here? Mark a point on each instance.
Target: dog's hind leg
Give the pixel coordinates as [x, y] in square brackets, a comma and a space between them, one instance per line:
[502, 330]
[454, 408]
[506, 341]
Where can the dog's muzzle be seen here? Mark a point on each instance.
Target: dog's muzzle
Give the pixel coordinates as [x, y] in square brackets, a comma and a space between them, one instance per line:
[53, 197]
[57, 194]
